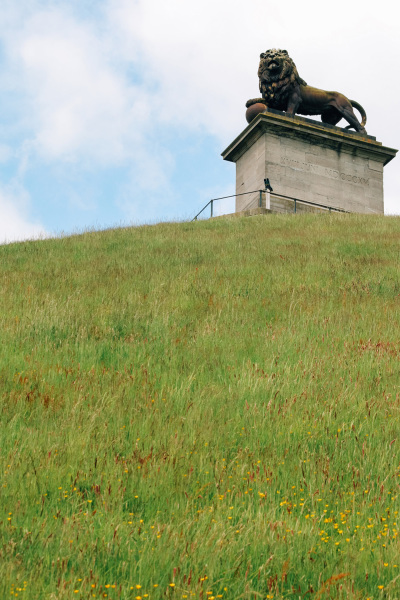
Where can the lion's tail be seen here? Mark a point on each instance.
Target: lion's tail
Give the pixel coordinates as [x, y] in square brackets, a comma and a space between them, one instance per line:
[361, 111]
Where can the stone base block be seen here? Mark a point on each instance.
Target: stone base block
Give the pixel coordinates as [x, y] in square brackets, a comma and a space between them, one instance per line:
[308, 160]
[251, 212]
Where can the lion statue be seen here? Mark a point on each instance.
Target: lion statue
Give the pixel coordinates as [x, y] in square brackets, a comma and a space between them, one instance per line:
[283, 89]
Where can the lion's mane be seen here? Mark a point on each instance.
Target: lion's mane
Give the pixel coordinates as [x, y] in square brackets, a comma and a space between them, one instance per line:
[276, 86]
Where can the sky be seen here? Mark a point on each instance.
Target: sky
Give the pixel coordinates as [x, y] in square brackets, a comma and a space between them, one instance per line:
[115, 112]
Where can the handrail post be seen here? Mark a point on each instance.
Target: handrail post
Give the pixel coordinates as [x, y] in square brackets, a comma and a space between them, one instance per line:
[260, 200]
[212, 208]
[295, 207]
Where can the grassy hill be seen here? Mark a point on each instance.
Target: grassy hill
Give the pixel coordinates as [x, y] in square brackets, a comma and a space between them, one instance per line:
[202, 410]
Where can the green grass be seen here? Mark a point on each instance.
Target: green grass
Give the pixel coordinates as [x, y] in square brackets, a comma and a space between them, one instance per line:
[205, 410]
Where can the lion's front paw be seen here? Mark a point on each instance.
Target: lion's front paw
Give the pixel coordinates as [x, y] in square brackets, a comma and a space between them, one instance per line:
[254, 101]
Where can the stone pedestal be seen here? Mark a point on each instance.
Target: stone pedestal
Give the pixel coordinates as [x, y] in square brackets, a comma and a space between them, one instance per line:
[308, 161]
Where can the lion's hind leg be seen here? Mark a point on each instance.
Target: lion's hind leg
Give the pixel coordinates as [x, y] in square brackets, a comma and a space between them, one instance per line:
[331, 116]
[343, 106]
[351, 118]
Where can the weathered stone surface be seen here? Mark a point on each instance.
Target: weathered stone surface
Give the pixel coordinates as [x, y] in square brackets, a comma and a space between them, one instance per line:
[309, 161]
[252, 212]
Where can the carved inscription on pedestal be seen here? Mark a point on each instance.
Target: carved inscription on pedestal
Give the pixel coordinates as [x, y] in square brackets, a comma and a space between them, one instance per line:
[323, 171]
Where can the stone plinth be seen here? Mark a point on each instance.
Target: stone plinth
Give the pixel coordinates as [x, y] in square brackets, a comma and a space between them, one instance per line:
[310, 161]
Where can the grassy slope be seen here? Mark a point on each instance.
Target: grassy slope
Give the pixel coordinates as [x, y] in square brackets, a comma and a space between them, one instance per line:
[211, 408]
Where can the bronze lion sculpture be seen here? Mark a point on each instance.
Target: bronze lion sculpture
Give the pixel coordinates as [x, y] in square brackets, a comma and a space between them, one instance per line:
[283, 89]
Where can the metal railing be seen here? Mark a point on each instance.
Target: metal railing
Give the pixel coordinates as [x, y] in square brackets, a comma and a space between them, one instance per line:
[211, 202]
[296, 202]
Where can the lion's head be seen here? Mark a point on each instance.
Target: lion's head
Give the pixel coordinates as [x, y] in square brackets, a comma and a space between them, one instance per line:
[277, 74]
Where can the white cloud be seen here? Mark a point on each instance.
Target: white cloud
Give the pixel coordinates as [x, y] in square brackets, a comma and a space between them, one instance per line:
[78, 99]
[190, 53]
[98, 87]
[202, 57]
[391, 188]
[81, 106]
[15, 224]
